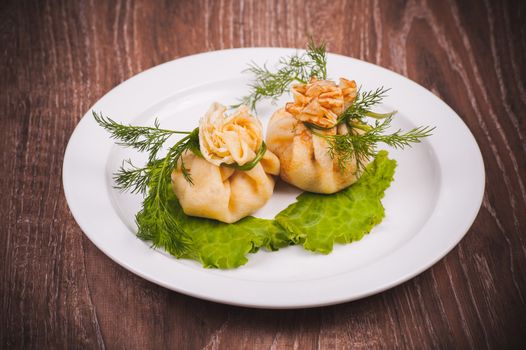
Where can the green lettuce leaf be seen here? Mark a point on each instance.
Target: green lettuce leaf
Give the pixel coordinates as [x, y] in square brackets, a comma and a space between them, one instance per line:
[318, 221]
[219, 245]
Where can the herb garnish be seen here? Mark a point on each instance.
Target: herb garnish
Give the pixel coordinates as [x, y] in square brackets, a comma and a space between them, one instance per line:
[155, 222]
[361, 141]
[362, 146]
[300, 68]
[150, 140]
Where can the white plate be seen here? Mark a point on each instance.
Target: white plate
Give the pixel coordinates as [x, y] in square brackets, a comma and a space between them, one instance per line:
[431, 204]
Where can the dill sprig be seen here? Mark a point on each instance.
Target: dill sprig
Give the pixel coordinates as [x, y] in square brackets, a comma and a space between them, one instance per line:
[361, 106]
[317, 54]
[133, 178]
[366, 99]
[150, 140]
[142, 138]
[362, 146]
[300, 68]
[155, 222]
[360, 143]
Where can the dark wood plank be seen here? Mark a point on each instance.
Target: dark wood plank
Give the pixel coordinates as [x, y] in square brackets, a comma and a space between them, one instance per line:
[58, 57]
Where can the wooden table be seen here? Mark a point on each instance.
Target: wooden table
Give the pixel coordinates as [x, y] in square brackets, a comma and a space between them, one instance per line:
[57, 290]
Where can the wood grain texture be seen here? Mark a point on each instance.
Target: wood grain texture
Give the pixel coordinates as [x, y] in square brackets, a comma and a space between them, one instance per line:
[58, 57]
